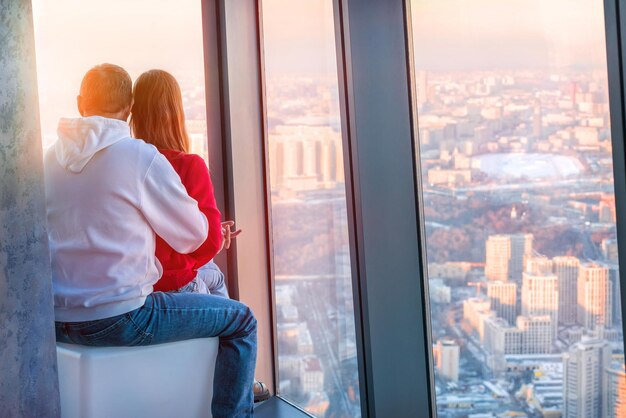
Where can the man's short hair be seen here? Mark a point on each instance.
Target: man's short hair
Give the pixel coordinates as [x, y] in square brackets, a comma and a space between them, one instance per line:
[106, 88]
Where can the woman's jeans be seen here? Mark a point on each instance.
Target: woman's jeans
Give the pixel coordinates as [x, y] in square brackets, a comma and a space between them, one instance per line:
[209, 280]
[168, 317]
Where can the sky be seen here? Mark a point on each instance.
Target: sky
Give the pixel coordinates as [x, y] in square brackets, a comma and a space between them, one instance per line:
[73, 35]
[299, 37]
[489, 34]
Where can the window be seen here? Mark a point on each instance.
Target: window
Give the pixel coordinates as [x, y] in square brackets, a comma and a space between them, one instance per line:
[519, 206]
[72, 36]
[317, 363]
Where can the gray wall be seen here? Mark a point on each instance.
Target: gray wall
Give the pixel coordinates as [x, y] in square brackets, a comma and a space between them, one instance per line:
[28, 377]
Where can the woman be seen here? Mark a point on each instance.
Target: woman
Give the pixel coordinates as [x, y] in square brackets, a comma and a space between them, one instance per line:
[158, 118]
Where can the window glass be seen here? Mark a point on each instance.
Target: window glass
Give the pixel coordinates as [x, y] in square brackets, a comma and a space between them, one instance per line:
[317, 366]
[71, 36]
[517, 182]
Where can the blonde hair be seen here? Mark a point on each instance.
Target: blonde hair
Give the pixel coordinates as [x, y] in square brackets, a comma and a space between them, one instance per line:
[106, 88]
[157, 114]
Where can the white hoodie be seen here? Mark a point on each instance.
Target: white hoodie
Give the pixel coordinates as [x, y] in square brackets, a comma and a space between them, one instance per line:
[107, 195]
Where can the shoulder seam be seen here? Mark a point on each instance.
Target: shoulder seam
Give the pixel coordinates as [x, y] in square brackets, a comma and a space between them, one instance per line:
[143, 182]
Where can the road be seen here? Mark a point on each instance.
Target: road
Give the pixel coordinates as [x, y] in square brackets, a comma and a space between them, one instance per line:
[323, 330]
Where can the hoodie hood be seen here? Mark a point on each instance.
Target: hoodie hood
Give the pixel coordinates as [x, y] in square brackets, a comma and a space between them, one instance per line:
[80, 139]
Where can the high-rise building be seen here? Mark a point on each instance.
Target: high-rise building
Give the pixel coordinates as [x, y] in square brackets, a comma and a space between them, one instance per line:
[505, 255]
[328, 169]
[498, 254]
[503, 298]
[447, 354]
[609, 249]
[615, 294]
[606, 209]
[521, 247]
[338, 155]
[310, 157]
[298, 156]
[291, 160]
[277, 164]
[537, 334]
[501, 337]
[311, 374]
[615, 389]
[566, 270]
[538, 264]
[475, 311]
[594, 297]
[583, 374]
[540, 296]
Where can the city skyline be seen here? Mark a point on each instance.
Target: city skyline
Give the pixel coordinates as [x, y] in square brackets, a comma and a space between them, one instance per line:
[528, 296]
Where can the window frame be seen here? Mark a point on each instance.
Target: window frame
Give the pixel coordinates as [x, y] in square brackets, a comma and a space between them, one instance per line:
[395, 380]
[236, 150]
[615, 31]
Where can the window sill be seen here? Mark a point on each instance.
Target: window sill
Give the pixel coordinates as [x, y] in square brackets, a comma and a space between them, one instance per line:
[276, 407]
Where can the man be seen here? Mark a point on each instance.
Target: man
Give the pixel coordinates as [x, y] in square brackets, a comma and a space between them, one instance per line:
[108, 195]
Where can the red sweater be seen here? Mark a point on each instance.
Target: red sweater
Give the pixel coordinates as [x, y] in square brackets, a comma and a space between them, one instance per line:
[180, 269]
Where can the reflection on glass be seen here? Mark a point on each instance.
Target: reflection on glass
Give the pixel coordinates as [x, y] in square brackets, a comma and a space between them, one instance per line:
[519, 207]
[317, 364]
[71, 36]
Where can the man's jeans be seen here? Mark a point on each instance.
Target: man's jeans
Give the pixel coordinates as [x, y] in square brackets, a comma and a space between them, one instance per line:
[167, 317]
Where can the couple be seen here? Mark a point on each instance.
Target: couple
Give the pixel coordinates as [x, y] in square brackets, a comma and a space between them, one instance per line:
[133, 228]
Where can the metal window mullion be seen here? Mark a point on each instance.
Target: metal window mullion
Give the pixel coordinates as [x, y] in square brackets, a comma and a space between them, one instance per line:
[615, 27]
[383, 212]
[243, 155]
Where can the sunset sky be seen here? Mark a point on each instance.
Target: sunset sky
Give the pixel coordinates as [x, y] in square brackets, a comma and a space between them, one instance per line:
[491, 34]
[74, 35]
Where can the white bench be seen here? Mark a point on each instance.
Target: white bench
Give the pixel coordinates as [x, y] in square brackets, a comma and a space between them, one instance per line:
[157, 381]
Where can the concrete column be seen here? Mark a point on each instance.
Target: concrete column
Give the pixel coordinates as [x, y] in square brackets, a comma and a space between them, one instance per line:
[28, 373]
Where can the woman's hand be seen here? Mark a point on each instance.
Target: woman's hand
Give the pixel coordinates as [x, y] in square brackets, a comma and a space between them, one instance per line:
[228, 235]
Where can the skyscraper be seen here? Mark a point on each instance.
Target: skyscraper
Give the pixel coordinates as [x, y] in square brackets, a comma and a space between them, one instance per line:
[615, 294]
[609, 249]
[503, 298]
[501, 339]
[447, 359]
[475, 311]
[310, 157]
[328, 162]
[498, 254]
[566, 270]
[594, 297]
[540, 296]
[521, 247]
[615, 390]
[538, 264]
[583, 374]
[277, 164]
[505, 256]
[537, 334]
[606, 209]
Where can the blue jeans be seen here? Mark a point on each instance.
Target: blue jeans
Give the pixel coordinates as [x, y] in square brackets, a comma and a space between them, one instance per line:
[168, 317]
[209, 281]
